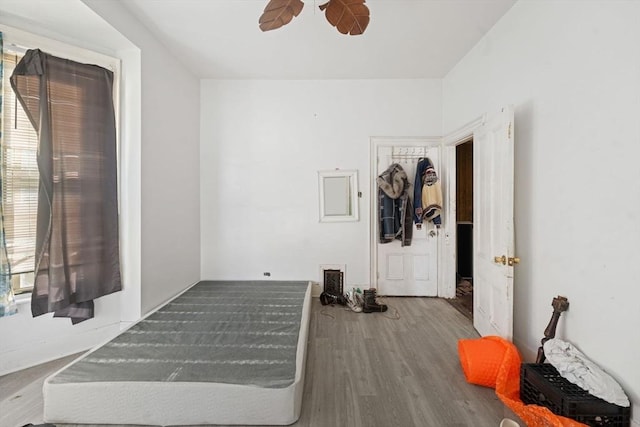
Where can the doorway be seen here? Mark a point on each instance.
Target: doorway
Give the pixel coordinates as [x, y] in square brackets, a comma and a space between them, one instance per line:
[409, 269]
[463, 300]
[493, 242]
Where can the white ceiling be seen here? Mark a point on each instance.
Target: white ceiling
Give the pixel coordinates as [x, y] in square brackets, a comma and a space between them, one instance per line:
[220, 38]
[404, 39]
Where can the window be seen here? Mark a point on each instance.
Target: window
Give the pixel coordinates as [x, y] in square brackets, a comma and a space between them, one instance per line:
[18, 149]
[19, 181]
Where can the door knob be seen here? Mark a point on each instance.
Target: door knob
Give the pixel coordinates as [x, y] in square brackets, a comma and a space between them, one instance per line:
[501, 259]
[514, 260]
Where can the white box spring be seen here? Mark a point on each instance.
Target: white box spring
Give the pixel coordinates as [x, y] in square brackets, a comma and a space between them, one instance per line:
[222, 352]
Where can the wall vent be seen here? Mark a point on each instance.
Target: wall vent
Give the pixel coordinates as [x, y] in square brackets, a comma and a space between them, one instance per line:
[332, 276]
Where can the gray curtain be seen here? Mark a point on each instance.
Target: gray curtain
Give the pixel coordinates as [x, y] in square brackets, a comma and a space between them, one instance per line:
[77, 251]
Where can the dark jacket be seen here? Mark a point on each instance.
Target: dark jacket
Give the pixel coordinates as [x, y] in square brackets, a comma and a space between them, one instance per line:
[394, 206]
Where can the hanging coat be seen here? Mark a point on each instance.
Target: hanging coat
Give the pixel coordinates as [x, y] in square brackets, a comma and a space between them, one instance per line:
[427, 196]
[394, 206]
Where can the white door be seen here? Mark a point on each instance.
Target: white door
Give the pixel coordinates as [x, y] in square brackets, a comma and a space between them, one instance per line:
[493, 235]
[409, 270]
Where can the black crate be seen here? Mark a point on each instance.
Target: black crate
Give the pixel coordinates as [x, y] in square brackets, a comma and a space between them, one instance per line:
[541, 384]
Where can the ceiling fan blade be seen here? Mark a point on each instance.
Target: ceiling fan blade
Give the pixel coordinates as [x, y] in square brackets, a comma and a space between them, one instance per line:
[278, 13]
[348, 16]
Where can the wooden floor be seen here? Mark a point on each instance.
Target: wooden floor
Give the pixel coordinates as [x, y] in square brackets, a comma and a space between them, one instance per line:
[398, 368]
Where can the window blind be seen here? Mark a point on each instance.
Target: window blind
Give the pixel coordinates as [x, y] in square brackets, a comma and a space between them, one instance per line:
[19, 176]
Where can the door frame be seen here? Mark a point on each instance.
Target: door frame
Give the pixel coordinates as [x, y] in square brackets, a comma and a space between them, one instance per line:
[391, 141]
[447, 244]
[447, 253]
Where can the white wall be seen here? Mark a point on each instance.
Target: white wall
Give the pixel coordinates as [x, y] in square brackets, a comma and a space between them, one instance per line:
[160, 204]
[170, 243]
[262, 145]
[572, 69]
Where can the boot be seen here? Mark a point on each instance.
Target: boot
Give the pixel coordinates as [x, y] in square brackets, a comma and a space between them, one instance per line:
[370, 304]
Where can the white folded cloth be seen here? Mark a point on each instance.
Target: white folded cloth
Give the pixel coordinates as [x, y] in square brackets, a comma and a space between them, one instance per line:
[577, 369]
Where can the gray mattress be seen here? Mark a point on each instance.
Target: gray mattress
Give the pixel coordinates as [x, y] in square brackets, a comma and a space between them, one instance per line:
[241, 333]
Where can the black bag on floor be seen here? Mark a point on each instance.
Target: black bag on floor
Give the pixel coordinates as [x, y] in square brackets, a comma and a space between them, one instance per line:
[326, 299]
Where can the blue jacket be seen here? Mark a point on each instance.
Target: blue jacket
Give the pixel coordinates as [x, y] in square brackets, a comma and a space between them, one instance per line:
[394, 206]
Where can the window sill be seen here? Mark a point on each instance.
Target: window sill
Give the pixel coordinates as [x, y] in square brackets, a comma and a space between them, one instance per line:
[23, 299]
